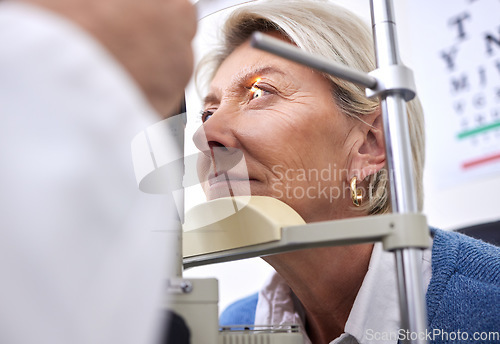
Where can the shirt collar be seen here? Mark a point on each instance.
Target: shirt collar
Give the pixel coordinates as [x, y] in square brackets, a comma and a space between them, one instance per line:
[375, 313]
[375, 317]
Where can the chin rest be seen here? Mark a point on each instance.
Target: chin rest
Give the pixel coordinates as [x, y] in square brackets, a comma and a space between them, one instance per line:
[235, 222]
[234, 228]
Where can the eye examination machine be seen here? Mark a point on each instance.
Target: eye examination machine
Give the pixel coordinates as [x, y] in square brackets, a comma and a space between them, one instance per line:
[232, 228]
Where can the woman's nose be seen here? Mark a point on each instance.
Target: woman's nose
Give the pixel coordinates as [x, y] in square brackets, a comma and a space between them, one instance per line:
[216, 132]
[217, 141]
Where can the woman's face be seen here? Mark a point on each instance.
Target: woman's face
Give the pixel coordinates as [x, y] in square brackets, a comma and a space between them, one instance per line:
[272, 128]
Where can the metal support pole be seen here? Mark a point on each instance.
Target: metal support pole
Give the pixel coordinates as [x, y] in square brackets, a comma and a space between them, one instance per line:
[400, 165]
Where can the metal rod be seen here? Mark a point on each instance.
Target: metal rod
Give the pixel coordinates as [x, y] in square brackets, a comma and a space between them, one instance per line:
[293, 53]
[412, 301]
[384, 33]
[399, 154]
[400, 165]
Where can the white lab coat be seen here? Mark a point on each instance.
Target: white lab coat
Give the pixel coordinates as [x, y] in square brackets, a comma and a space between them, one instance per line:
[82, 256]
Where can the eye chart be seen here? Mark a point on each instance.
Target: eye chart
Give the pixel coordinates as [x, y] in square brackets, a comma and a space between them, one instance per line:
[456, 59]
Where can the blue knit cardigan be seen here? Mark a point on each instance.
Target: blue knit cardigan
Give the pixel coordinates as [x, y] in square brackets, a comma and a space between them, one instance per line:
[463, 297]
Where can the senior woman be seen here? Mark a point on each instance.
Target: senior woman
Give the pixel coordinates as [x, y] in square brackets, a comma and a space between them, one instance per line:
[306, 138]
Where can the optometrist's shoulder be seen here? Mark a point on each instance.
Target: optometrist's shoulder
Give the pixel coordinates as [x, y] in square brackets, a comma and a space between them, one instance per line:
[151, 39]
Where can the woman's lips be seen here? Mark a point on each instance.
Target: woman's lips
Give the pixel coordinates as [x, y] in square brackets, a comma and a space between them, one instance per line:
[226, 178]
[228, 185]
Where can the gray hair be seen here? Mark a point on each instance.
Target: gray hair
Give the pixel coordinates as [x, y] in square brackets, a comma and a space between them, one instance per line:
[324, 29]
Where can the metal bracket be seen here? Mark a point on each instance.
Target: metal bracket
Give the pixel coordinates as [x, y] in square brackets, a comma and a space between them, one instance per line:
[393, 79]
[179, 286]
[408, 230]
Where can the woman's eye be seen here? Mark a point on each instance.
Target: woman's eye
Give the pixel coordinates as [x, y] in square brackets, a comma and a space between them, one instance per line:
[256, 92]
[206, 114]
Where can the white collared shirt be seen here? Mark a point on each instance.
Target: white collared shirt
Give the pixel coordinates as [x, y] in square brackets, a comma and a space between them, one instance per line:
[374, 317]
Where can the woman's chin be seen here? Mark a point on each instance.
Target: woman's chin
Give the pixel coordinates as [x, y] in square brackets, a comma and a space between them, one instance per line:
[235, 188]
[228, 189]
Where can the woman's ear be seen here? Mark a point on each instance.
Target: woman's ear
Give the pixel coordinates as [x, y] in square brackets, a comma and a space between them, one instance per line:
[368, 156]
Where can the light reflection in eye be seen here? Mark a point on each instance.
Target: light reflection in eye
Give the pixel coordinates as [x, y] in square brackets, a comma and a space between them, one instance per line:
[256, 91]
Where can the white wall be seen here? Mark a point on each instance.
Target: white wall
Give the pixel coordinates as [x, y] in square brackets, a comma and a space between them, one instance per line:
[455, 197]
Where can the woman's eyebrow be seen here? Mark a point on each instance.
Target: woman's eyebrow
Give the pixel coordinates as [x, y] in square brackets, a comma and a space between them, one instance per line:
[242, 78]
[210, 98]
[254, 73]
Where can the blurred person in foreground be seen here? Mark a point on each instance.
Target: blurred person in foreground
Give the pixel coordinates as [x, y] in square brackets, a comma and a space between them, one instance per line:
[78, 80]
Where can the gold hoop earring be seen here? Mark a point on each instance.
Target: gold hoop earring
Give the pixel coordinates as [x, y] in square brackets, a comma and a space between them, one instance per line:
[356, 195]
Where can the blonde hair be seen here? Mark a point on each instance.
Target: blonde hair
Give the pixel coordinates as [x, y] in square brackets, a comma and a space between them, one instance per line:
[324, 29]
